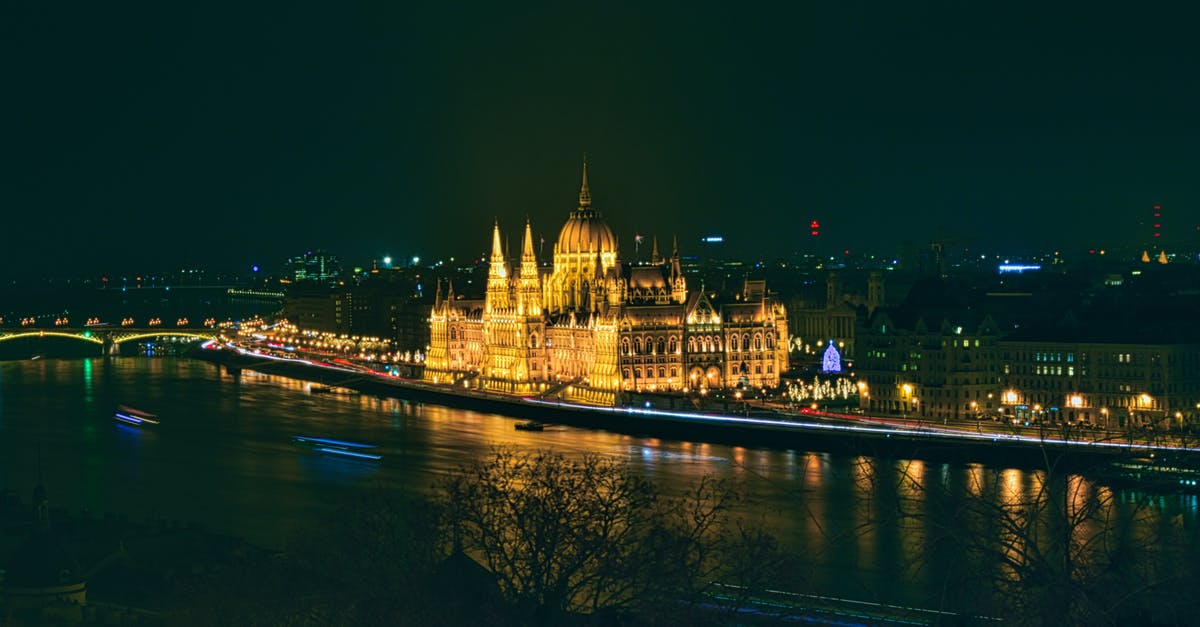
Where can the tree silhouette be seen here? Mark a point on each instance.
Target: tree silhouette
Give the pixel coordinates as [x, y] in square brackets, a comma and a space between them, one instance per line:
[588, 536]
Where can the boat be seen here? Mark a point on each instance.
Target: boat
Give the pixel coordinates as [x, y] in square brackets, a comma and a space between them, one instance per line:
[325, 389]
[131, 416]
[338, 448]
[530, 425]
[1153, 474]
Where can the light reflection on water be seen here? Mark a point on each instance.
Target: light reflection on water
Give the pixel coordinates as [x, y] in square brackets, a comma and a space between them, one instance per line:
[223, 456]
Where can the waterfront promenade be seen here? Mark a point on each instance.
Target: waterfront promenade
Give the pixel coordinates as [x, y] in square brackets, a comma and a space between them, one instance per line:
[772, 427]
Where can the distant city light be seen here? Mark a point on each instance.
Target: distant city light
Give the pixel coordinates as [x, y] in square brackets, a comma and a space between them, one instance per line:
[1005, 268]
[387, 261]
[416, 260]
[713, 239]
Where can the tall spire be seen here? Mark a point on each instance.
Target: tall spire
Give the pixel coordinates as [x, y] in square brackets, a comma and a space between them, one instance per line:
[585, 196]
[527, 246]
[497, 250]
[654, 258]
[676, 272]
[498, 265]
[528, 259]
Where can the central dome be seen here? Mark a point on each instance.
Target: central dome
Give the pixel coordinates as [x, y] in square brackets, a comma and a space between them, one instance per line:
[586, 232]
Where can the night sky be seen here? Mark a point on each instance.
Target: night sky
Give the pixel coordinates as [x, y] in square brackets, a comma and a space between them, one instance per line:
[180, 134]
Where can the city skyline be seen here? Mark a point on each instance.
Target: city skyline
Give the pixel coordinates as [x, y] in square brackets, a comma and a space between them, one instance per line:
[171, 136]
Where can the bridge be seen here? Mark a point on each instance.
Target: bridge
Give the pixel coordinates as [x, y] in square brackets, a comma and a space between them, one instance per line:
[110, 338]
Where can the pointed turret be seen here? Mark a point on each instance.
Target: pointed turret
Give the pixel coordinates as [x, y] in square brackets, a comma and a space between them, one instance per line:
[528, 258]
[654, 258]
[678, 283]
[676, 269]
[437, 298]
[529, 301]
[497, 268]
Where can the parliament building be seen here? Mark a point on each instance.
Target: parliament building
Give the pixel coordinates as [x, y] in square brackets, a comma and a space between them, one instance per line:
[590, 328]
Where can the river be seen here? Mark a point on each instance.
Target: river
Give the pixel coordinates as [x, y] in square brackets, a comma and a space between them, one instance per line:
[222, 457]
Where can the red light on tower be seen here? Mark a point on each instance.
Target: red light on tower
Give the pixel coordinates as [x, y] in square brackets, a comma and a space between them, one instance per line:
[815, 226]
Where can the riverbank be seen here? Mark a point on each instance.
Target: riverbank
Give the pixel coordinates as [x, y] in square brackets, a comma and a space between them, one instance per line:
[758, 429]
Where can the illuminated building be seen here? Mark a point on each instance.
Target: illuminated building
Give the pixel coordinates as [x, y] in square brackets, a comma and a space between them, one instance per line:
[590, 327]
[1103, 383]
[316, 266]
[387, 306]
[944, 372]
[838, 318]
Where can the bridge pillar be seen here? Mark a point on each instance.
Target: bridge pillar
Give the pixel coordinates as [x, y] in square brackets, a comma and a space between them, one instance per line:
[233, 371]
[111, 347]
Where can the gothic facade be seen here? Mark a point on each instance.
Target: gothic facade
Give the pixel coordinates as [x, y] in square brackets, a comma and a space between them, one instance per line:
[590, 327]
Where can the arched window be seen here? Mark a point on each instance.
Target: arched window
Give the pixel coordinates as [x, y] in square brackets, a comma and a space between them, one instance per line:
[717, 343]
[757, 342]
[734, 344]
[662, 346]
[673, 345]
[770, 341]
[625, 347]
[639, 372]
[691, 344]
[662, 372]
[453, 333]
[674, 372]
[626, 374]
[533, 340]
[745, 341]
[637, 345]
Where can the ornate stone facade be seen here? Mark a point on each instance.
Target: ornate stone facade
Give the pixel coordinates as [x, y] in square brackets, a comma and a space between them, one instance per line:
[590, 327]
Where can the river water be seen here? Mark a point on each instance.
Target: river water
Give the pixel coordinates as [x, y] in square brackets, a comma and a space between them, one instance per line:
[222, 457]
